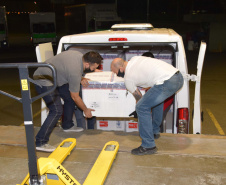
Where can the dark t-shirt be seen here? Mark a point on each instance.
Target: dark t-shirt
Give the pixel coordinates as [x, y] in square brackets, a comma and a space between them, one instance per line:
[69, 69]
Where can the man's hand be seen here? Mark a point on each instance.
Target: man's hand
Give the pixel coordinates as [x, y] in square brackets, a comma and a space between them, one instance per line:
[98, 70]
[85, 82]
[78, 101]
[88, 113]
[134, 114]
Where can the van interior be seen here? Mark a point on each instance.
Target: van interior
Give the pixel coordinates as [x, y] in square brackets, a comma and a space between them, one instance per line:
[109, 51]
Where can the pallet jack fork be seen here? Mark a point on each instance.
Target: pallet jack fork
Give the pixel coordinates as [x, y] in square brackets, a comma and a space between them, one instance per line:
[49, 171]
[53, 173]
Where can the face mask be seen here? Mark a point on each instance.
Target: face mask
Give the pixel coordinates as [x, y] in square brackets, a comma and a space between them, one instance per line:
[120, 74]
[88, 70]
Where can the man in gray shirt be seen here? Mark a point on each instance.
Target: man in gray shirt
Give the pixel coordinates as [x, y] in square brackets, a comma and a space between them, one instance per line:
[69, 66]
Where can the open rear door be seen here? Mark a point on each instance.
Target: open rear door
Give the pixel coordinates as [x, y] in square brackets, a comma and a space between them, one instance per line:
[197, 99]
[44, 52]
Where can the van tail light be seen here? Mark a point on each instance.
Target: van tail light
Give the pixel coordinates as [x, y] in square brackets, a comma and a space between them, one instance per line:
[117, 39]
[182, 121]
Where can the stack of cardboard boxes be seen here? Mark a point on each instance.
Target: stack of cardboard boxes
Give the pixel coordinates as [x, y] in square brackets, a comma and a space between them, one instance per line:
[107, 93]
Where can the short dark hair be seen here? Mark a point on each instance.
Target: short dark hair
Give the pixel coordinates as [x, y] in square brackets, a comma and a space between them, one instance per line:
[148, 54]
[92, 57]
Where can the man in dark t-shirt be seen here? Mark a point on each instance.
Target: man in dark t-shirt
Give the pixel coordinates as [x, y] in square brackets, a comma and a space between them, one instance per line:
[69, 66]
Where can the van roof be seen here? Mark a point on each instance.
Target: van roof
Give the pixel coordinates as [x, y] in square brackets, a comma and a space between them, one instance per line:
[153, 35]
[138, 26]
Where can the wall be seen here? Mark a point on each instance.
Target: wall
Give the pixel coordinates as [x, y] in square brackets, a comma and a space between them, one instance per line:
[217, 37]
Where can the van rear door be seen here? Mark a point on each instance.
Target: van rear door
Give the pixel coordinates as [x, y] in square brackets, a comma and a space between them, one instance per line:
[197, 100]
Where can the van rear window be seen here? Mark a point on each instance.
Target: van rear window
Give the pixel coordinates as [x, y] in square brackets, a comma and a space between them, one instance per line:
[109, 52]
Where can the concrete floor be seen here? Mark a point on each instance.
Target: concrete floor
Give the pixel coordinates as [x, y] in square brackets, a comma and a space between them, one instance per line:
[181, 159]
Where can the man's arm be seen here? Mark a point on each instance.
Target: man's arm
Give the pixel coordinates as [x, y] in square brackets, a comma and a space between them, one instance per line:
[78, 101]
[137, 95]
[98, 70]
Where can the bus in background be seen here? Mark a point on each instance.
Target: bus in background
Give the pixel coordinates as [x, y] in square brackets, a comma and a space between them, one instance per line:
[90, 17]
[43, 27]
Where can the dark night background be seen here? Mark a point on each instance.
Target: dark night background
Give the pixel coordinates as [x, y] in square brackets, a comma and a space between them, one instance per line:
[162, 13]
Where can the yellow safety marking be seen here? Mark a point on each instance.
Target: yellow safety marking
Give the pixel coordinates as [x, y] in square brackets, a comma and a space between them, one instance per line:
[100, 169]
[217, 125]
[35, 115]
[24, 85]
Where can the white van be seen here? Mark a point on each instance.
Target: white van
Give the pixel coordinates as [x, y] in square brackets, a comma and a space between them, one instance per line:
[128, 40]
[43, 27]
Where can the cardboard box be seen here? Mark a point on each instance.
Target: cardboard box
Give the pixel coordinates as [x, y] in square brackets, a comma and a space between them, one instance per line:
[110, 125]
[164, 55]
[131, 53]
[107, 59]
[131, 126]
[107, 94]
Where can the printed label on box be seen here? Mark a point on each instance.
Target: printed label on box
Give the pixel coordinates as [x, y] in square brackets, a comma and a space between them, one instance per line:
[103, 123]
[94, 105]
[119, 124]
[111, 125]
[132, 125]
[113, 96]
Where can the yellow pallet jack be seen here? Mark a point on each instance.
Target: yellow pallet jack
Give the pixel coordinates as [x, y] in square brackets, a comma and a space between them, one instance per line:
[49, 171]
[53, 173]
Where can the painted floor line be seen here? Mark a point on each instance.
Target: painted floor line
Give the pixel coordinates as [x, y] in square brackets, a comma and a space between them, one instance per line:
[217, 125]
[36, 114]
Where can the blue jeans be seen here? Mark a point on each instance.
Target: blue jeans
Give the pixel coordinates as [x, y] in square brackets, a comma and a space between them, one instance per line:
[81, 122]
[153, 99]
[54, 105]
[70, 108]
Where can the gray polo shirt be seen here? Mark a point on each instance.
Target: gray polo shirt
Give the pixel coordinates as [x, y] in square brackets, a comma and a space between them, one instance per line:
[69, 69]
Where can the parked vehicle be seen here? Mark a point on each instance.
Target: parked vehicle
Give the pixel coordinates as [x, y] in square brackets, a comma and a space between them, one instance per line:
[90, 17]
[128, 40]
[43, 27]
[4, 42]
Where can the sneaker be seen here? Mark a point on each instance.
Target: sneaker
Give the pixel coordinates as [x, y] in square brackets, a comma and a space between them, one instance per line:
[144, 151]
[156, 136]
[45, 148]
[74, 129]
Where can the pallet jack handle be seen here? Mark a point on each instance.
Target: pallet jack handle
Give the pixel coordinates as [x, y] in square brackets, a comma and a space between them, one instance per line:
[23, 72]
[26, 100]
